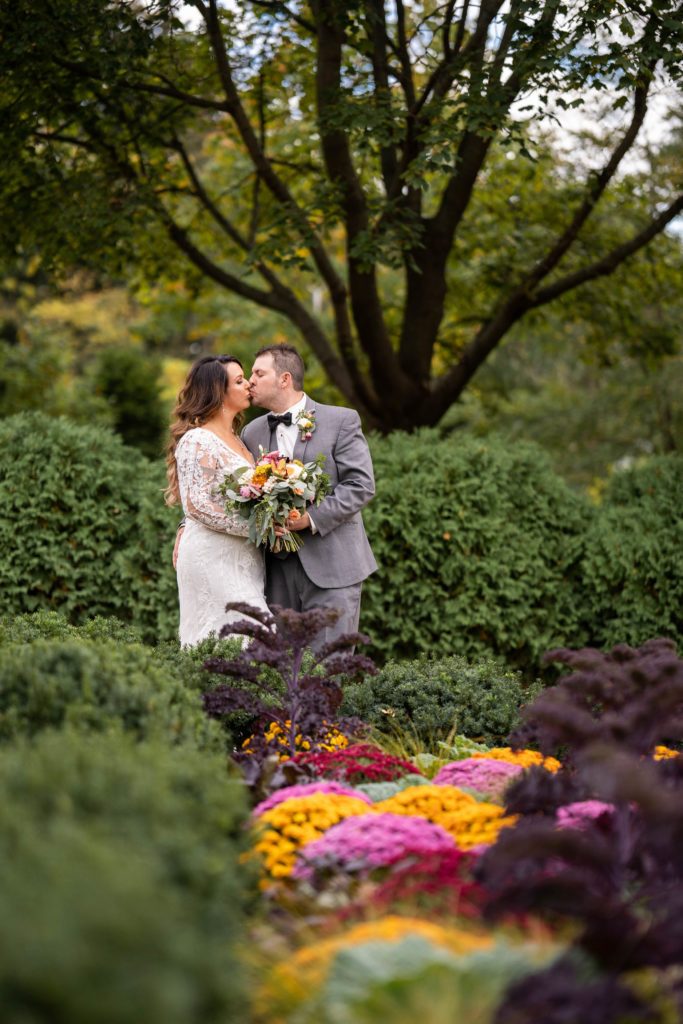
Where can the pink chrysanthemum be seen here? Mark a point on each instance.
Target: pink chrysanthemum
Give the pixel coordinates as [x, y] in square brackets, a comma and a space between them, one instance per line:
[485, 775]
[319, 786]
[372, 841]
[578, 814]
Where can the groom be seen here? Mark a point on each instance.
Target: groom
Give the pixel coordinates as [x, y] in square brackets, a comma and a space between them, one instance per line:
[328, 571]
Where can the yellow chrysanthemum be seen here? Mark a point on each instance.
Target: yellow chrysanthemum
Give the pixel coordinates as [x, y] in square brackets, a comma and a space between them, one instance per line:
[526, 758]
[288, 826]
[332, 740]
[475, 824]
[469, 822]
[662, 753]
[293, 980]
[261, 474]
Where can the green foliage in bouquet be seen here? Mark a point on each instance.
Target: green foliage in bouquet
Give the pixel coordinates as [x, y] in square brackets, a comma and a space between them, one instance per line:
[95, 686]
[633, 561]
[431, 697]
[122, 887]
[85, 522]
[478, 545]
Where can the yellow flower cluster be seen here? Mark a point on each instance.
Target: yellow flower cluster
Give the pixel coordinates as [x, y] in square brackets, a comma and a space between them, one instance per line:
[430, 802]
[332, 740]
[524, 757]
[293, 980]
[480, 823]
[661, 753]
[289, 825]
[469, 822]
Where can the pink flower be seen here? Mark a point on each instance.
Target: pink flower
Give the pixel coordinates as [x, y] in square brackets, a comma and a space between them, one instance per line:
[245, 492]
[305, 789]
[372, 841]
[578, 814]
[485, 775]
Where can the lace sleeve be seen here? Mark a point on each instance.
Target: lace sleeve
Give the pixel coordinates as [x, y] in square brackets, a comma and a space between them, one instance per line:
[202, 466]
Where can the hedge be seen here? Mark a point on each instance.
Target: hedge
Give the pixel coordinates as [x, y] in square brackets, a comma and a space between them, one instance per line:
[123, 888]
[84, 518]
[93, 685]
[632, 565]
[479, 547]
[431, 697]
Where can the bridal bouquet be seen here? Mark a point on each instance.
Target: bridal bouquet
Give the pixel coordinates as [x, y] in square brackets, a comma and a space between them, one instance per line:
[275, 488]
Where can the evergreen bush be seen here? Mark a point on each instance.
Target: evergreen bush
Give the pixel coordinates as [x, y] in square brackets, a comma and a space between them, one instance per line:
[633, 560]
[86, 524]
[430, 697]
[478, 545]
[123, 888]
[50, 625]
[94, 685]
[129, 380]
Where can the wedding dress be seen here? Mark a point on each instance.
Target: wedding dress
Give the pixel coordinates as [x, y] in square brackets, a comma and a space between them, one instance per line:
[216, 563]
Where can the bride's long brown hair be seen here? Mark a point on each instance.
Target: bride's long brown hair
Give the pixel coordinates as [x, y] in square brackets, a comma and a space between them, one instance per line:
[200, 398]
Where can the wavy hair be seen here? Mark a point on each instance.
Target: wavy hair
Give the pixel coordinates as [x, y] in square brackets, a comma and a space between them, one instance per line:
[200, 398]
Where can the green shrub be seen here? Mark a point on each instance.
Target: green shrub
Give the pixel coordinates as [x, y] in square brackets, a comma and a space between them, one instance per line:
[430, 697]
[478, 546]
[122, 887]
[86, 524]
[633, 561]
[93, 686]
[129, 380]
[45, 625]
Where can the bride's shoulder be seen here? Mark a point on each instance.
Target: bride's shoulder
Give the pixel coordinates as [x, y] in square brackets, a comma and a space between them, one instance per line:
[194, 436]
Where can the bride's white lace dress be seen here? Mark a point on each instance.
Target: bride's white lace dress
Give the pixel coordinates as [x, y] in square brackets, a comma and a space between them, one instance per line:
[216, 563]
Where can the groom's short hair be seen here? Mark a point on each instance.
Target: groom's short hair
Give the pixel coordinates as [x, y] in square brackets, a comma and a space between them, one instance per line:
[286, 359]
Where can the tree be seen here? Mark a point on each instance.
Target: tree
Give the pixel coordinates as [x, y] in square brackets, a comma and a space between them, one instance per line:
[323, 159]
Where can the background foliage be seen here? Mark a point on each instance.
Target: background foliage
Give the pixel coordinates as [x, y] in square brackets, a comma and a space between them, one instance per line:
[483, 550]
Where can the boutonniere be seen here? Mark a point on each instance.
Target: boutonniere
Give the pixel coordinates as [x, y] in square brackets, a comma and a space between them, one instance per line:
[305, 421]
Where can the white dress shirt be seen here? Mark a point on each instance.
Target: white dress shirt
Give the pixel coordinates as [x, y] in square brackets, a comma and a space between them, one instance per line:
[286, 437]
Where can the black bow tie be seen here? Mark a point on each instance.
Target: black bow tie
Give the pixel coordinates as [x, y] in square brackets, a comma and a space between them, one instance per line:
[273, 420]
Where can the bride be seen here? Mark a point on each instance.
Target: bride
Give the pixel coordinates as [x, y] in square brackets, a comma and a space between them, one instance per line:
[216, 563]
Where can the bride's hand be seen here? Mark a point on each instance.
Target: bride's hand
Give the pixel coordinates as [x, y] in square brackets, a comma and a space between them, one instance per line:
[176, 546]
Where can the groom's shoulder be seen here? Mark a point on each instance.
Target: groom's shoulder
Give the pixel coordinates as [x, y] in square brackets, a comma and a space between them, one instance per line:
[255, 423]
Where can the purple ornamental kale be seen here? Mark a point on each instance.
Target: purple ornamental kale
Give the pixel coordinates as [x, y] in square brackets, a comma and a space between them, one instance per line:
[630, 697]
[311, 699]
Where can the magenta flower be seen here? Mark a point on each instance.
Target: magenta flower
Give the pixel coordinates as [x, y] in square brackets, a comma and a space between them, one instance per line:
[485, 775]
[366, 842]
[305, 789]
[578, 814]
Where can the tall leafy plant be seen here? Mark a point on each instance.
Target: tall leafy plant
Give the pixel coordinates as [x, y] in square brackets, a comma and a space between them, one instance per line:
[300, 694]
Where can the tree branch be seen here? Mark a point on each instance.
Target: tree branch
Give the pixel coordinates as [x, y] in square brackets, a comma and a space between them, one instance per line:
[611, 261]
[594, 191]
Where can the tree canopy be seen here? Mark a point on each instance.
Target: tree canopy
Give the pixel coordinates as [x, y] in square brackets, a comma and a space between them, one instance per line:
[375, 171]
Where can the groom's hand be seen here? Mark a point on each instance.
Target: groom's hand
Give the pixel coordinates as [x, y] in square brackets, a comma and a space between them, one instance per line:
[176, 546]
[298, 521]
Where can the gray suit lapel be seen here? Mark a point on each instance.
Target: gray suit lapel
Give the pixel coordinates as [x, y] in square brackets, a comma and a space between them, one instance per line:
[300, 446]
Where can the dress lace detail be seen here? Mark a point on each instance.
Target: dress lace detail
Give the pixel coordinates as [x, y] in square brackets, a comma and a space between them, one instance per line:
[216, 563]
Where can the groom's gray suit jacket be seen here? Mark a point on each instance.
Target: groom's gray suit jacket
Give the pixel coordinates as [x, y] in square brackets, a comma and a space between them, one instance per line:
[338, 554]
